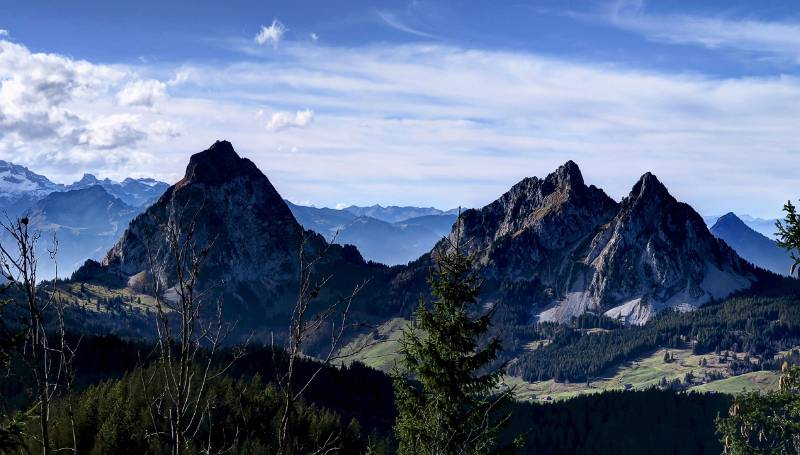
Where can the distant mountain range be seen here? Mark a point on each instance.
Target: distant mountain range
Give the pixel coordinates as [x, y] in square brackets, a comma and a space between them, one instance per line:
[20, 188]
[556, 234]
[549, 249]
[751, 245]
[87, 216]
[390, 235]
[87, 222]
[396, 242]
[134, 192]
[395, 214]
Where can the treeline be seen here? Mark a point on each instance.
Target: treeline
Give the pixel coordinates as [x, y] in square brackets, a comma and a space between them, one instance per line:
[354, 404]
[240, 417]
[650, 421]
[757, 326]
[353, 392]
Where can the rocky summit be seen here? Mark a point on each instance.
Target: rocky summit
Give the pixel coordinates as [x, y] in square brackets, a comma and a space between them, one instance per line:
[554, 248]
[254, 261]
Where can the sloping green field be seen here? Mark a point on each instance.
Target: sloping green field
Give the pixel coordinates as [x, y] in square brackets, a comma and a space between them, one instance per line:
[756, 381]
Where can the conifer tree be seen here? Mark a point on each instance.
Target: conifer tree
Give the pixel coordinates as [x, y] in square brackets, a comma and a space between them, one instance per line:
[447, 402]
[789, 235]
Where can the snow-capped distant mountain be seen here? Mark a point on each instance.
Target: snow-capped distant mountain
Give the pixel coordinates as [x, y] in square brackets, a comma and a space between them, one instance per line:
[134, 192]
[20, 188]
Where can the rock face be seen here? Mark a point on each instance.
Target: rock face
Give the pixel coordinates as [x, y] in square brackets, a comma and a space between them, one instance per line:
[752, 245]
[554, 248]
[657, 253]
[254, 261]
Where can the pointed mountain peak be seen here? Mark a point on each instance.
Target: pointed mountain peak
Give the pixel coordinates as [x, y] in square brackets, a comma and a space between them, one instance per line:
[218, 164]
[730, 216]
[568, 173]
[87, 179]
[649, 187]
[729, 220]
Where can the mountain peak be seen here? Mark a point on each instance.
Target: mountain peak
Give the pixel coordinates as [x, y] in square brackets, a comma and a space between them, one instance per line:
[569, 173]
[752, 245]
[731, 223]
[18, 180]
[729, 217]
[218, 164]
[87, 179]
[648, 187]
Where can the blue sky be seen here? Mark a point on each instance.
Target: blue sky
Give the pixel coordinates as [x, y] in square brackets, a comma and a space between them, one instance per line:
[426, 103]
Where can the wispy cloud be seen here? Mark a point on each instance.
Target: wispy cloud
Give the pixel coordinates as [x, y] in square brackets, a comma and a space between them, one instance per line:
[396, 23]
[436, 124]
[3, 32]
[272, 34]
[777, 39]
[452, 126]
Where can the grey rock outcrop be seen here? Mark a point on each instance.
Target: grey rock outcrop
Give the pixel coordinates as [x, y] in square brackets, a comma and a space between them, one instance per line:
[253, 263]
[554, 248]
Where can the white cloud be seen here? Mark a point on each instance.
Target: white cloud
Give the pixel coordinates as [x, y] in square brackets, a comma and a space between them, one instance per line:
[164, 128]
[314, 36]
[3, 32]
[417, 124]
[112, 132]
[142, 93]
[283, 119]
[57, 113]
[779, 39]
[272, 34]
[36, 91]
[181, 76]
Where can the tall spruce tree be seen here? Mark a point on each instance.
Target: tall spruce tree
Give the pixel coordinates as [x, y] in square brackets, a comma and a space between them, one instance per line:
[447, 401]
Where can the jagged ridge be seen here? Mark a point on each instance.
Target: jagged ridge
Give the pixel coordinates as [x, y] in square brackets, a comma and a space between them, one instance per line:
[554, 248]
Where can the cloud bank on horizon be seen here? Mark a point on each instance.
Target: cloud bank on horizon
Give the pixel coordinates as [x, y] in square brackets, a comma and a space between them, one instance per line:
[420, 102]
